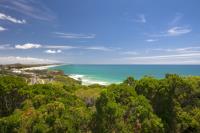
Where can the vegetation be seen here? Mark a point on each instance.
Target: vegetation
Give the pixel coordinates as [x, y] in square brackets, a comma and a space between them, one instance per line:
[148, 105]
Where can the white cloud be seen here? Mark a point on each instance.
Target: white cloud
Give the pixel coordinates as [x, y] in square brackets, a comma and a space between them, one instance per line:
[5, 47]
[181, 55]
[27, 46]
[59, 47]
[129, 53]
[2, 28]
[25, 60]
[34, 45]
[180, 50]
[140, 18]
[11, 19]
[185, 55]
[174, 31]
[30, 8]
[49, 51]
[151, 40]
[189, 58]
[74, 35]
[99, 48]
[168, 56]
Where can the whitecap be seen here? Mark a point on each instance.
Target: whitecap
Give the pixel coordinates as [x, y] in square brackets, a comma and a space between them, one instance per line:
[87, 80]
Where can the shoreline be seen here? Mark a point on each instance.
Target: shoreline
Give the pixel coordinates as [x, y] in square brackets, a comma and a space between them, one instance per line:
[79, 77]
[40, 67]
[86, 80]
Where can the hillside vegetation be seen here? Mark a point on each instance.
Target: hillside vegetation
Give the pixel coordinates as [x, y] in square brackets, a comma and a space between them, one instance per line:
[148, 105]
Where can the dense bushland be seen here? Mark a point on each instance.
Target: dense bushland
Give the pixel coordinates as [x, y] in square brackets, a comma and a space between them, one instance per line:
[148, 105]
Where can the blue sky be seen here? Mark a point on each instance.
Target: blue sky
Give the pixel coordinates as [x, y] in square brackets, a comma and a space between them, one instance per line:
[100, 31]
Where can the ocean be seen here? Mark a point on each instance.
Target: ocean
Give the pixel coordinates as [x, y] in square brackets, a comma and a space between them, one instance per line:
[107, 74]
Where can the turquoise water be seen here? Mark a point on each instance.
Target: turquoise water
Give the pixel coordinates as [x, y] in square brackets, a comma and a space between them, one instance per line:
[106, 74]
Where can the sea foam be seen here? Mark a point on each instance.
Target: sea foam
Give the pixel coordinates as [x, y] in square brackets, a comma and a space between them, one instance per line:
[87, 80]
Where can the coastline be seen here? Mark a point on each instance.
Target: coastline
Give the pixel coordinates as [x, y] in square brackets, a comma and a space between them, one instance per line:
[108, 74]
[87, 80]
[94, 74]
[40, 67]
[83, 78]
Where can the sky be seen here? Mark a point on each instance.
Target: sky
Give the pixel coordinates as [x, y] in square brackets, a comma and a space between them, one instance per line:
[100, 31]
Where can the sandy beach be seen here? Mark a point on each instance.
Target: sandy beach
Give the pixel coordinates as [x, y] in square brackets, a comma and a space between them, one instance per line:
[39, 67]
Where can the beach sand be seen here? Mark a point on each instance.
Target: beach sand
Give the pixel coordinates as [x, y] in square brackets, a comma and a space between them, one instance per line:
[39, 67]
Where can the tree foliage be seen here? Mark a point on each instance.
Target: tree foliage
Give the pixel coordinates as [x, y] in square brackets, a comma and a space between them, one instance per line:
[148, 105]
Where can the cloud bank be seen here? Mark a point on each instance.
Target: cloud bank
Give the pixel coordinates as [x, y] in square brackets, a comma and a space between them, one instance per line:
[25, 60]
